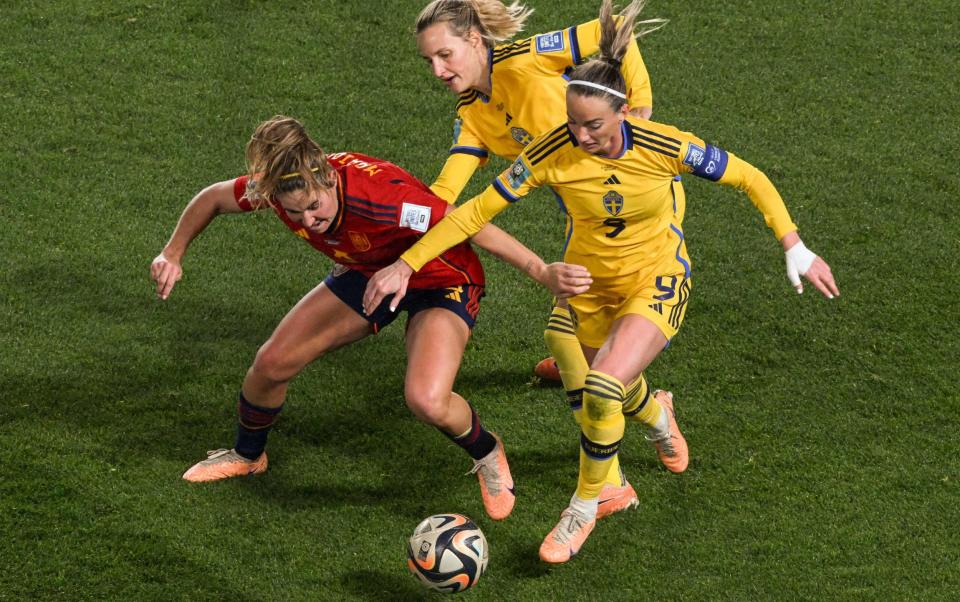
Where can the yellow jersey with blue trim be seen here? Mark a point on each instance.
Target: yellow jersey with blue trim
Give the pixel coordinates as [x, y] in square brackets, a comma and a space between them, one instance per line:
[624, 212]
[528, 84]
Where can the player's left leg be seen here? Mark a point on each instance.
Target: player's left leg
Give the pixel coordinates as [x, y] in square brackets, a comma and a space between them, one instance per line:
[436, 338]
[632, 344]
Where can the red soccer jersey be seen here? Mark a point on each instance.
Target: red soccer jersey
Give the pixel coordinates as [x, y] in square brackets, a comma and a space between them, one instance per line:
[382, 211]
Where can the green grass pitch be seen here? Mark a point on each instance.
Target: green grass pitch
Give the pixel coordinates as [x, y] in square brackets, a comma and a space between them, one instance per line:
[823, 434]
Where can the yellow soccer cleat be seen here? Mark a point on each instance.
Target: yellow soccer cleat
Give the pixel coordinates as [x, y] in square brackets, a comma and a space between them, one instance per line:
[547, 369]
[567, 537]
[496, 484]
[671, 446]
[614, 499]
[224, 464]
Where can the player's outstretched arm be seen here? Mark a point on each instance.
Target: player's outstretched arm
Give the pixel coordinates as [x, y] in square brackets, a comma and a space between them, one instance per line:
[562, 279]
[165, 270]
[801, 261]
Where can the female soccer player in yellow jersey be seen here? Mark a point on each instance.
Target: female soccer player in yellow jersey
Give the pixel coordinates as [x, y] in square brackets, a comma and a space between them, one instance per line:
[509, 93]
[615, 176]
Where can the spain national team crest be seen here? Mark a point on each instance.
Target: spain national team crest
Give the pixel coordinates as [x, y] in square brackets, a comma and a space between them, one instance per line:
[613, 202]
[521, 135]
[360, 241]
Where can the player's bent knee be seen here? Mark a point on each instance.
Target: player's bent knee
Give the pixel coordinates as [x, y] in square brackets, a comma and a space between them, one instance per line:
[429, 404]
[272, 364]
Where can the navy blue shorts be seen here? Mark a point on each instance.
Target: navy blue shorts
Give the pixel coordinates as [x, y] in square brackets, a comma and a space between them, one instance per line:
[349, 285]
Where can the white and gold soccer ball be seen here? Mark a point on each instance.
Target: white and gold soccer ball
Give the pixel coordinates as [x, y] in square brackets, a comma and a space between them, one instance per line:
[447, 553]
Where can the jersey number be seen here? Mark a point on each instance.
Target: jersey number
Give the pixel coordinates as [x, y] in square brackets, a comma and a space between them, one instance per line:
[617, 223]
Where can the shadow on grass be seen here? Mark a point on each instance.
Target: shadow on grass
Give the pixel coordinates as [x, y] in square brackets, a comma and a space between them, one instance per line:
[382, 586]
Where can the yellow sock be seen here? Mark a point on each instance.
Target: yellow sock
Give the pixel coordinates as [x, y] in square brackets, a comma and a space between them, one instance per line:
[562, 343]
[602, 430]
[640, 405]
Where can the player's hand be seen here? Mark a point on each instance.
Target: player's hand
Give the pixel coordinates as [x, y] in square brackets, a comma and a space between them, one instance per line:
[391, 280]
[801, 261]
[165, 272]
[566, 279]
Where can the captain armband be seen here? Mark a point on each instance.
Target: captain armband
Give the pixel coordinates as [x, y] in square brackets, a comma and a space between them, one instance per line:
[709, 163]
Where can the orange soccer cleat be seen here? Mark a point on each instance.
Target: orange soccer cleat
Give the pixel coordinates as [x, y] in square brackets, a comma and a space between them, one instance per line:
[614, 499]
[671, 446]
[224, 464]
[496, 484]
[547, 369]
[566, 539]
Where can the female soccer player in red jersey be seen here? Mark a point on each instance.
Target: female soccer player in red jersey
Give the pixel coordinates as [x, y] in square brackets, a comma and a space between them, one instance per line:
[616, 176]
[361, 212]
[510, 92]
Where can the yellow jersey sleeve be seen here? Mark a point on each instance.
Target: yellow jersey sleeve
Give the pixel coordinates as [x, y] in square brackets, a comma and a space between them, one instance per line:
[639, 90]
[764, 196]
[717, 165]
[468, 142]
[468, 219]
[454, 176]
[456, 227]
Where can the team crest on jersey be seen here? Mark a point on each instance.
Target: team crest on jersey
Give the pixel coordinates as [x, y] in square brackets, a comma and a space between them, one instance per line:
[550, 42]
[360, 241]
[415, 217]
[517, 174]
[521, 135]
[457, 126]
[613, 202]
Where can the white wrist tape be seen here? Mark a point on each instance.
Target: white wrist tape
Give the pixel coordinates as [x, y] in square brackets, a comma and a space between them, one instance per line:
[799, 260]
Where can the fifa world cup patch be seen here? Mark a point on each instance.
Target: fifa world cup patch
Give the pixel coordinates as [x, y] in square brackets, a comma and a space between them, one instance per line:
[415, 217]
[709, 163]
[550, 42]
[457, 127]
[517, 174]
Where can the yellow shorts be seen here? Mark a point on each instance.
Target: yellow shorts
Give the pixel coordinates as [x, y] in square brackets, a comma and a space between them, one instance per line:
[661, 299]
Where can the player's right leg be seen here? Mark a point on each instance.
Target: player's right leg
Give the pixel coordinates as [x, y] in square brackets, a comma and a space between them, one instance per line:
[317, 324]
[571, 359]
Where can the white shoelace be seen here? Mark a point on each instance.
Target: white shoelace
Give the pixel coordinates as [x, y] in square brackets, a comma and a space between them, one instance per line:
[571, 521]
[487, 466]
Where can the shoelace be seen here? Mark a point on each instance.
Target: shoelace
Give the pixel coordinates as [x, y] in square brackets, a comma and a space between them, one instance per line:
[571, 521]
[489, 473]
[216, 453]
[665, 442]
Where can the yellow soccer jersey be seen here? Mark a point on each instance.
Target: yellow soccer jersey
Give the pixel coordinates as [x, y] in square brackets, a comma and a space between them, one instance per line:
[528, 97]
[625, 212]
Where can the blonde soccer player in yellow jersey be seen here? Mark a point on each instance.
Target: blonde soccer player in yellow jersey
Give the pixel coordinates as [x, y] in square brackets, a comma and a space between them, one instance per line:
[616, 178]
[508, 93]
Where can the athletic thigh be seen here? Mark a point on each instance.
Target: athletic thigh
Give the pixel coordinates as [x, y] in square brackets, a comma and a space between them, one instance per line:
[435, 341]
[633, 343]
[320, 322]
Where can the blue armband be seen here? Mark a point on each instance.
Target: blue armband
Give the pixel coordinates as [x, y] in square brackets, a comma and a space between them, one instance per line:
[709, 163]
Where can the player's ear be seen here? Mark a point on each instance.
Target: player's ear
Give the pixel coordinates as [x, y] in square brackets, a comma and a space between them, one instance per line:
[475, 39]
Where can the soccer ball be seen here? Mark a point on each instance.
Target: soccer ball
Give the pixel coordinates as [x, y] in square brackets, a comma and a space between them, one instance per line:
[447, 553]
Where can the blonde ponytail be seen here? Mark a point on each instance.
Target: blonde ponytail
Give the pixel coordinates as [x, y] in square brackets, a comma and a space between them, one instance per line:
[492, 19]
[601, 76]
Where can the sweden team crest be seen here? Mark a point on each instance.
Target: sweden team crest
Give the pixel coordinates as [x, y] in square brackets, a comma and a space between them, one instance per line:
[360, 241]
[521, 136]
[613, 202]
